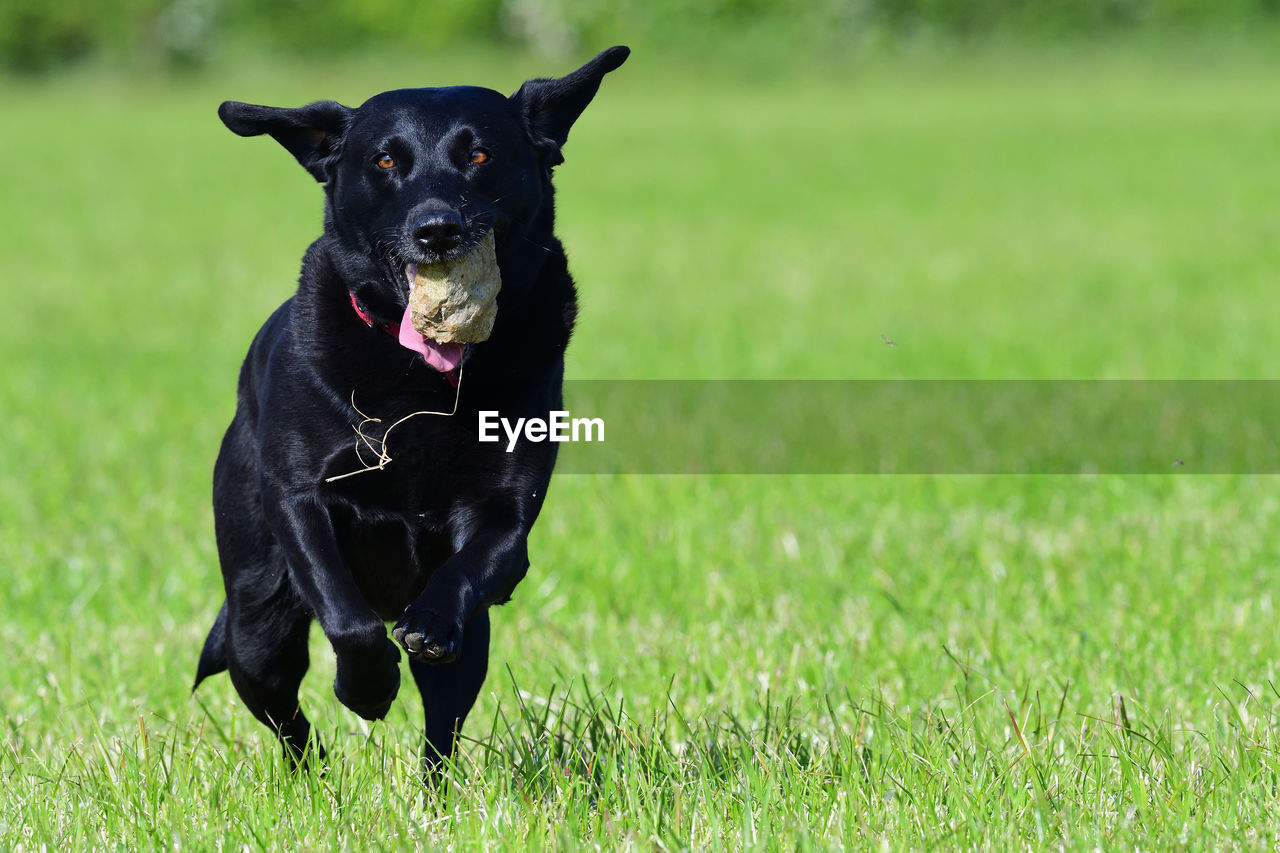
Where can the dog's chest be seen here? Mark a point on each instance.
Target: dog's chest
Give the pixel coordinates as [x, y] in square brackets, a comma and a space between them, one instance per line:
[391, 560]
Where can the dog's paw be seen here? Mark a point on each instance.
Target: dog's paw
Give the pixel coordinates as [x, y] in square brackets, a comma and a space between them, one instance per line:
[368, 683]
[428, 637]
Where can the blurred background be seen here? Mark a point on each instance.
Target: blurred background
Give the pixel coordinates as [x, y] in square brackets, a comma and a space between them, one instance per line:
[37, 36]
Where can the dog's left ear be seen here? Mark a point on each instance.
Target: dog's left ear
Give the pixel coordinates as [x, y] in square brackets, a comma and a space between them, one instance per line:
[549, 107]
[311, 134]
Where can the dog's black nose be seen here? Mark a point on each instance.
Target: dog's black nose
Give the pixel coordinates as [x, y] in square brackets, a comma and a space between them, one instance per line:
[438, 230]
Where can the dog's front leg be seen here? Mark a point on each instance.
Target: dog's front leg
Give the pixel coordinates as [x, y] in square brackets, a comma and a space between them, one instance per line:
[452, 609]
[368, 675]
[481, 573]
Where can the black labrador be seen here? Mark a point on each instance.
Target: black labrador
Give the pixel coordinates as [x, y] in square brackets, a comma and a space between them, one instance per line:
[436, 535]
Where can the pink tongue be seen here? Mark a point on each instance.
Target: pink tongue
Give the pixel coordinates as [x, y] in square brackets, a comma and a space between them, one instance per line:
[443, 357]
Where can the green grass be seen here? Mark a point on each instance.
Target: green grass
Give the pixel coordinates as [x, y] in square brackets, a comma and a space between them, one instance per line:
[693, 662]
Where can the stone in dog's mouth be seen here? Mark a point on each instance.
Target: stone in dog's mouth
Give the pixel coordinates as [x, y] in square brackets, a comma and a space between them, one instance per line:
[451, 304]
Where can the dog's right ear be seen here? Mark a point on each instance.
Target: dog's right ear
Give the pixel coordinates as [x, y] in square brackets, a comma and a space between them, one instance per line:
[549, 107]
[313, 133]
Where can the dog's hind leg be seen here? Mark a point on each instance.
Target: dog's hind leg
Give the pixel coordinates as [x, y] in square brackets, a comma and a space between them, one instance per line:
[265, 623]
[267, 628]
[448, 692]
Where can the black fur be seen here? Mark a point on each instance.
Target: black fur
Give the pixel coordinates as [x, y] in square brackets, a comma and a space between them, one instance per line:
[439, 535]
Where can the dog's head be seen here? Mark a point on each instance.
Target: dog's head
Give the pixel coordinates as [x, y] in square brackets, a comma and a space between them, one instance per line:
[418, 176]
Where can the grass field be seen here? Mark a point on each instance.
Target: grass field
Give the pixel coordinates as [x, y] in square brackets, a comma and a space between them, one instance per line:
[693, 662]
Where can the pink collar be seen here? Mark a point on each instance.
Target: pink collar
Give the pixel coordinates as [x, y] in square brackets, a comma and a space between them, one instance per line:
[392, 329]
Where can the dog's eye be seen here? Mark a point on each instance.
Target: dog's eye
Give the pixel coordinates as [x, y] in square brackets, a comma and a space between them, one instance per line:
[385, 161]
[479, 155]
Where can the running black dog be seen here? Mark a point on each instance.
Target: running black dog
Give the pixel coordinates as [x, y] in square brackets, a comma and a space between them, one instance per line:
[439, 533]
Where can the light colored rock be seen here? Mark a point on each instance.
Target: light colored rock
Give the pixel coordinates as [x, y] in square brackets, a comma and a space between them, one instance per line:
[457, 301]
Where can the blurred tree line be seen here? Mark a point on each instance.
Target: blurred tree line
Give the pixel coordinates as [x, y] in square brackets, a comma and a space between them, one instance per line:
[43, 34]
